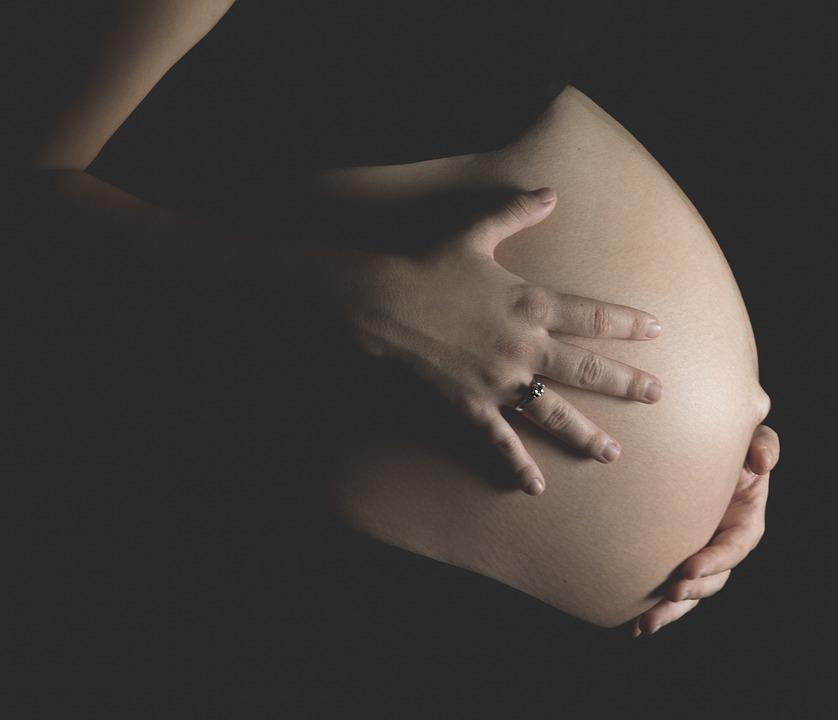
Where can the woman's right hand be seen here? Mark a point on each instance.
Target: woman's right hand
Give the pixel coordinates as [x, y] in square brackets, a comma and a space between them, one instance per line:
[480, 334]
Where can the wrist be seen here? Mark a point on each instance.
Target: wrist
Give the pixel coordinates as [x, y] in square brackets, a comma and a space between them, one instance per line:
[367, 293]
[346, 291]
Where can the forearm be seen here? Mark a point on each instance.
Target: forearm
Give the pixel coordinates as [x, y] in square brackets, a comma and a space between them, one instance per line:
[106, 232]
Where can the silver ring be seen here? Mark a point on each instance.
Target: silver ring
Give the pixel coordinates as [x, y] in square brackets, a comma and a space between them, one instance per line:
[535, 390]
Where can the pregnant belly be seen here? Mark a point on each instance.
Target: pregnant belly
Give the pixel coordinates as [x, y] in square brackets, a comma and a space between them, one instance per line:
[602, 538]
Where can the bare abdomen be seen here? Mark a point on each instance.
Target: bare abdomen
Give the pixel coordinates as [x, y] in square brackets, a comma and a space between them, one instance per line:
[602, 538]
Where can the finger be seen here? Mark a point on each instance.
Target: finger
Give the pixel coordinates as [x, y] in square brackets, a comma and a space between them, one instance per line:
[696, 589]
[582, 368]
[506, 440]
[521, 211]
[663, 613]
[764, 450]
[729, 548]
[556, 415]
[586, 317]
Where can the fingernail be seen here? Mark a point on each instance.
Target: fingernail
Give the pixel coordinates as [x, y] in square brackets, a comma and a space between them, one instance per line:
[535, 486]
[653, 391]
[686, 595]
[545, 195]
[655, 628]
[610, 452]
[653, 329]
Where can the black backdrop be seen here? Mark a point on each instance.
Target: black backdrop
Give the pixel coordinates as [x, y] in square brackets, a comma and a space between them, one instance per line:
[138, 582]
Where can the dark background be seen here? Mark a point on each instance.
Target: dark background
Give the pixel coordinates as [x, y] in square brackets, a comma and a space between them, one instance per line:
[155, 562]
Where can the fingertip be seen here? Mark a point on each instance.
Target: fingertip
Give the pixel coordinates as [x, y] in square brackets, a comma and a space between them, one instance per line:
[653, 392]
[767, 457]
[545, 195]
[653, 329]
[610, 452]
[768, 439]
[761, 460]
[534, 486]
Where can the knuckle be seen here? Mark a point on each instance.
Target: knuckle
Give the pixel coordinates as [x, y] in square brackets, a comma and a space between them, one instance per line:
[517, 208]
[514, 348]
[476, 410]
[682, 590]
[639, 324]
[559, 418]
[494, 377]
[600, 320]
[591, 369]
[533, 306]
[741, 548]
[545, 357]
[507, 443]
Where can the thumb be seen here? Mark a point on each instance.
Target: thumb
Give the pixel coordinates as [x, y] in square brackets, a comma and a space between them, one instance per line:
[520, 211]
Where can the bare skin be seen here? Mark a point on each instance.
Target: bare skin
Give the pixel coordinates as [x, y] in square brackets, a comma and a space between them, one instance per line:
[147, 39]
[139, 53]
[603, 541]
[739, 532]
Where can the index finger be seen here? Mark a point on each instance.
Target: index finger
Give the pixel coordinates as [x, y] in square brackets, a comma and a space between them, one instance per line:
[586, 317]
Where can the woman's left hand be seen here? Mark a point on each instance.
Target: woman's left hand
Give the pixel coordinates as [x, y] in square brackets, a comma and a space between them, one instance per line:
[739, 532]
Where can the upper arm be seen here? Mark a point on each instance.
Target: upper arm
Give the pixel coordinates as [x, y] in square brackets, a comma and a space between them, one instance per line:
[146, 39]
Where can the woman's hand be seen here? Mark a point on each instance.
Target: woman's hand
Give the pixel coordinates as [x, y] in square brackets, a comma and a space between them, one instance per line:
[739, 532]
[479, 334]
